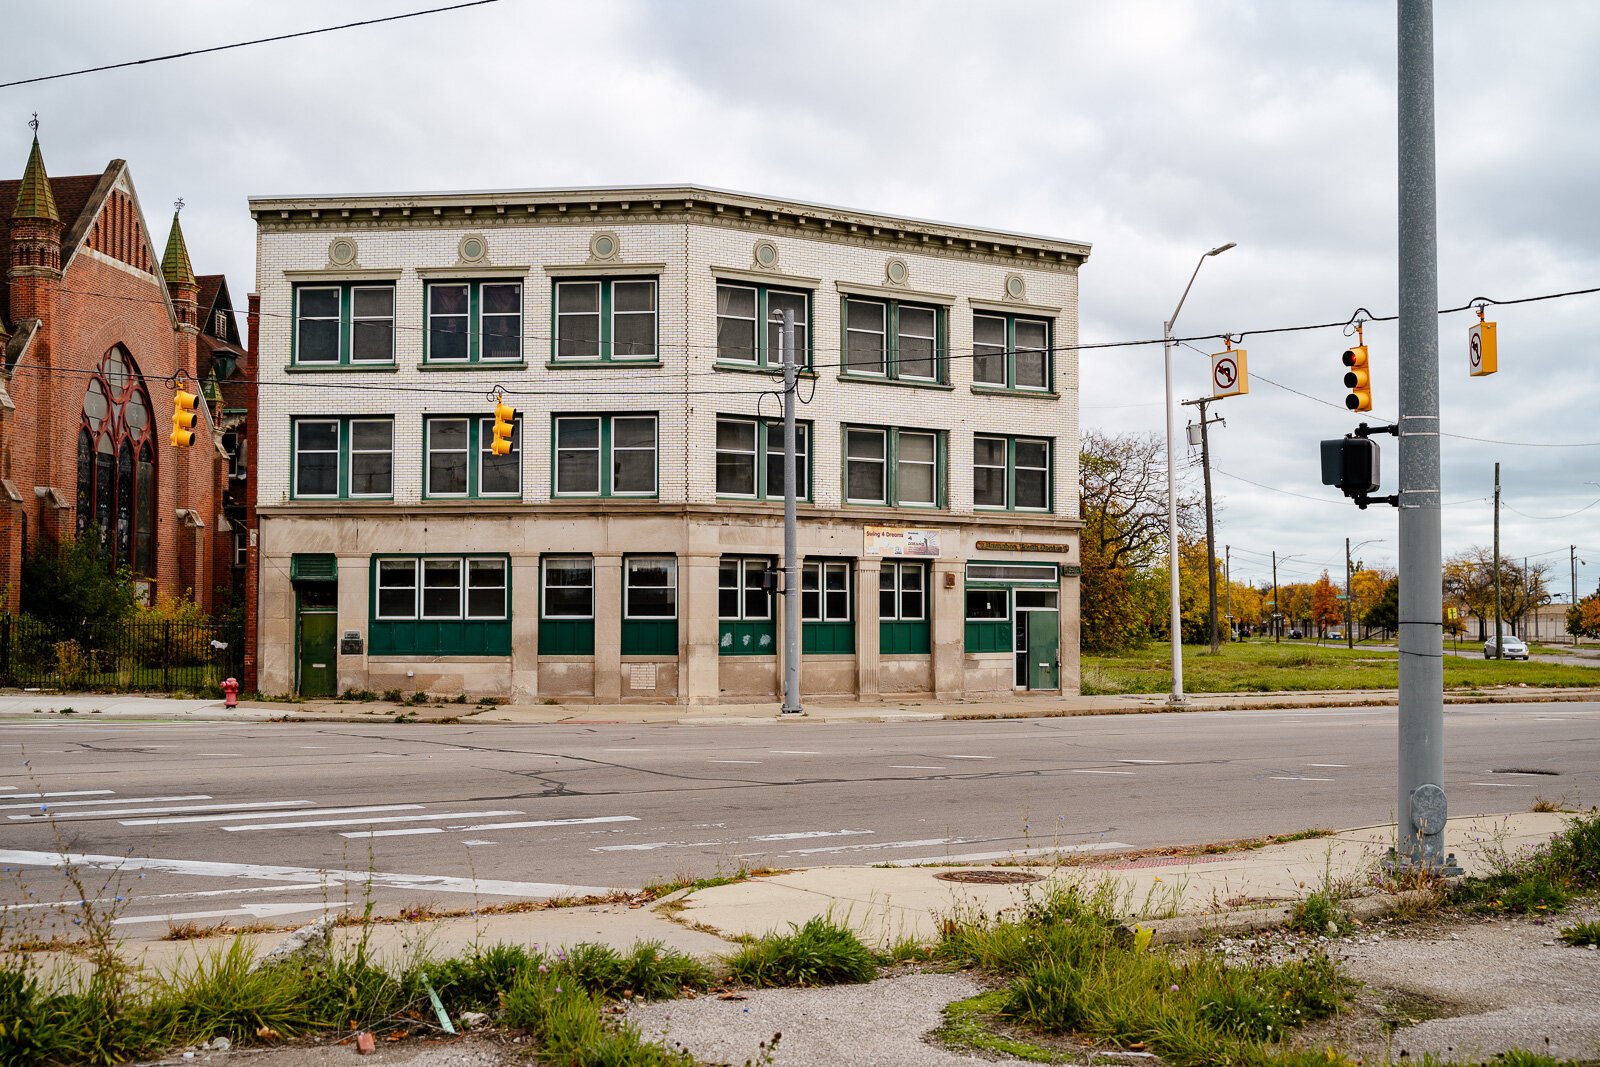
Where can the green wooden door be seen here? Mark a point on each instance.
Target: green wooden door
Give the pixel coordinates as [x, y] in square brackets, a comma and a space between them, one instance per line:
[318, 666]
[1044, 650]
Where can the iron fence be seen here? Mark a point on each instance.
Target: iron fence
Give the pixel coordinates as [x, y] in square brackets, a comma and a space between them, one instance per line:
[144, 655]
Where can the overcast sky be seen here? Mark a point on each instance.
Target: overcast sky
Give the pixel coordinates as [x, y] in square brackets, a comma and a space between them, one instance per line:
[1153, 130]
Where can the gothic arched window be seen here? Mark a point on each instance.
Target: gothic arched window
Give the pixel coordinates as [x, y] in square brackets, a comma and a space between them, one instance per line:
[116, 464]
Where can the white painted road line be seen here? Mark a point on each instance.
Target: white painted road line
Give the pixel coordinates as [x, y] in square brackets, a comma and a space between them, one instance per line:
[68, 793]
[299, 812]
[651, 846]
[254, 911]
[368, 821]
[810, 833]
[1504, 785]
[1129, 773]
[491, 826]
[257, 805]
[873, 845]
[53, 804]
[271, 873]
[1297, 778]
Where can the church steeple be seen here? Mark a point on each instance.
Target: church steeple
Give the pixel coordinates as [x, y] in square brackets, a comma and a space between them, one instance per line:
[35, 223]
[179, 275]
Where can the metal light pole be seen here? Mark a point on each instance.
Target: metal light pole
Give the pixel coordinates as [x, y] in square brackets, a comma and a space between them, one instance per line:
[791, 534]
[1349, 593]
[1175, 622]
[1277, 608]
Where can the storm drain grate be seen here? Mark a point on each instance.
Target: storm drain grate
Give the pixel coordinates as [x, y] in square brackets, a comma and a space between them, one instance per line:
[990, 877]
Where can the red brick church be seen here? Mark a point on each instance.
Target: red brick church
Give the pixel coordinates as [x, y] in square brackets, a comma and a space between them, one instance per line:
[95, 332]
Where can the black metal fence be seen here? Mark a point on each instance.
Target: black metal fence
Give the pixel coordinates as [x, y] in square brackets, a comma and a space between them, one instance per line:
[144, 655]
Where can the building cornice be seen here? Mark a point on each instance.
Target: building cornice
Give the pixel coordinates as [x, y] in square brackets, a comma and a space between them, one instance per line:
[674, 203]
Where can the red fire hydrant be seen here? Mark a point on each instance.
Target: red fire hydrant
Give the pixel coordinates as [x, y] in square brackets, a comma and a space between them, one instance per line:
[230, 693]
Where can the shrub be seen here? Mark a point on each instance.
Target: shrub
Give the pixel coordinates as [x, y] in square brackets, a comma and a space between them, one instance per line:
[71, 587]
[819, 953]
[1319, 913]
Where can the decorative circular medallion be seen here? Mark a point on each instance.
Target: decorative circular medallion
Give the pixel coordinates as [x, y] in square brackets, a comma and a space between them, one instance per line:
[473, 248]
[604, 246]
[897, 271]
[766, 254]
[1016, 286]
[342, 252]
[1429, 809]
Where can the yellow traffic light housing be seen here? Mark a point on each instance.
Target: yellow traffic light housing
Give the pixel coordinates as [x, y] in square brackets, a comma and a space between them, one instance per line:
[184, 417]
[1358, 379]
[505, 417]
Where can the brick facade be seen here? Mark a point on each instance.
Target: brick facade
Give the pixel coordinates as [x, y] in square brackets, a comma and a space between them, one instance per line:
[79, 287]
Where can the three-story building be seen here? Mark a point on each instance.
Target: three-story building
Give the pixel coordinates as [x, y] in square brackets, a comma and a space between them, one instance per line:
[624, 550]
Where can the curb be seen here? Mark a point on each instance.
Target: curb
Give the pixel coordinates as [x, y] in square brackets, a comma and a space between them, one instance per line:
[1189, 929]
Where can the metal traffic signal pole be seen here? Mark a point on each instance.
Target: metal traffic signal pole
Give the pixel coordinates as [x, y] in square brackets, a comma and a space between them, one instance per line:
[791, 533]
[1423, 806]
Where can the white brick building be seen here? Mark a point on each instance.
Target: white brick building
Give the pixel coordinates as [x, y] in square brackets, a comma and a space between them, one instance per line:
[618, 554]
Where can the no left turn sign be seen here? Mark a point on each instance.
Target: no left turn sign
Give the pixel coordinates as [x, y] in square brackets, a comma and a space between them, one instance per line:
[1230, 375]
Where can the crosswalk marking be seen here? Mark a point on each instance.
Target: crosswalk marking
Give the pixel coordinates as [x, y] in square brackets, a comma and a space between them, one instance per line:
[169, 820]
[366, 821]
[258, 804]
[52, 804]
[490, 826]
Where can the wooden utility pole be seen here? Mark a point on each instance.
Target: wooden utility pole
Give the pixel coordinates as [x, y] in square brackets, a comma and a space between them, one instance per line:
[1211, 535]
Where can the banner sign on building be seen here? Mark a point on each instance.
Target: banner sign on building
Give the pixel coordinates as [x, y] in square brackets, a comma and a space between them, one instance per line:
[901, 541]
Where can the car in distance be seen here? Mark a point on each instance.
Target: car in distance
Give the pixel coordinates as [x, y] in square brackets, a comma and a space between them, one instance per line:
[1514, 648]
[1335, 635]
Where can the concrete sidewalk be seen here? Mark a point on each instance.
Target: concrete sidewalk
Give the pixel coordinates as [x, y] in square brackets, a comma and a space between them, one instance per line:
[1233, 889]
[32, 706]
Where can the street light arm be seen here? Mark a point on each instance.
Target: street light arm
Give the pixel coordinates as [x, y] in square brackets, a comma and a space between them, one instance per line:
[1198, 264]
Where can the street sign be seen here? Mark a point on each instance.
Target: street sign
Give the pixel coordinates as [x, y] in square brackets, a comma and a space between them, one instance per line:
[1230, 373]
[1481, 355]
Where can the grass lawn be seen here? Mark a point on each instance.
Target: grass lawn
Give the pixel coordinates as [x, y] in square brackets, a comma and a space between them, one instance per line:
[1257, 666]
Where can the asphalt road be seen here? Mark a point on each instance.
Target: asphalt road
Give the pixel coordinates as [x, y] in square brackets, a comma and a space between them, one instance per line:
[232, 822]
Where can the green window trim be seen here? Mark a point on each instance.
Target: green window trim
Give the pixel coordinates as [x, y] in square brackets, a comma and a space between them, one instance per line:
[649, 605]
[987, 353]
[989, 578]
[747, 624]
[903, 608]
[421, 629]
[607, 459]
[478, 431]
[895, 332]
[566, 634]
[894, 457]
[764, 455]
[347, 318]
[1014, 461]
[606, 314]
[827, 607]
[765, 355]
[376, 462]
[474, 316]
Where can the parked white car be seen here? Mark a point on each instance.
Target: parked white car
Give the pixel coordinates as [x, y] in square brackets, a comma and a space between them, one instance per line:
[1514, 649]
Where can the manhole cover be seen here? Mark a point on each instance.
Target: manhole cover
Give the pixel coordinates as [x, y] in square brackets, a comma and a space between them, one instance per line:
[990, 877]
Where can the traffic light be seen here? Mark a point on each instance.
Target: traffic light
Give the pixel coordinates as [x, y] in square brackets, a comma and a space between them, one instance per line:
[1351, 464]
[504, 425]
[1358, 379]
[183, 417]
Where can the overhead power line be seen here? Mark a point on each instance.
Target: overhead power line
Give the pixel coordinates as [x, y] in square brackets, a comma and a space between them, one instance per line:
[242, 44]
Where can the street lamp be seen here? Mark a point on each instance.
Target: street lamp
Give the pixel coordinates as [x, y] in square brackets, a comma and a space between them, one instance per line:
[1176, 623]
[1349, 595]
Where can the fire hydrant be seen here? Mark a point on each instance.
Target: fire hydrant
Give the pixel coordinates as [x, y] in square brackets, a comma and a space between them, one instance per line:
[230, 693]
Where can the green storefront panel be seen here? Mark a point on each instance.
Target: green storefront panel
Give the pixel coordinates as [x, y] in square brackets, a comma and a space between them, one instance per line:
[452, 638]
[649, 637]
[827, 638]
[572, 637]
[905, 638]
[747, 639]
[989, 636]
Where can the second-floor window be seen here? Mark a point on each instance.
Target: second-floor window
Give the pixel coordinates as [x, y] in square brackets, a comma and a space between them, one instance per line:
[474, 321]
[750, 458]
[1010, 352]
[605, 320]
[895, 340]
[885, 465]
[460, 462]
[343, 325]
[342, 458]
[1011, 473]
[605, 455]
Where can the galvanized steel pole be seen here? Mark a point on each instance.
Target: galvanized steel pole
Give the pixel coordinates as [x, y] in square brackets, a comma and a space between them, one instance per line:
[1422, 807]
[791, 532]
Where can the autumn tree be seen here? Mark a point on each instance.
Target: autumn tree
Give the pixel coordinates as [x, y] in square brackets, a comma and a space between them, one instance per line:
[1583, 618]
[1385, 614]
[1123, 496]
[1326, 609]
[1469, 583]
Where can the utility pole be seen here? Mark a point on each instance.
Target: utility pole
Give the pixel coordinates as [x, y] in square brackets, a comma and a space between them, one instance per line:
[791, 531]
[1423, 806]
[1349, 611]
[1498, 653]
[1211, 536]
[1227, 585]
[1277, 635]
[1572, 561]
